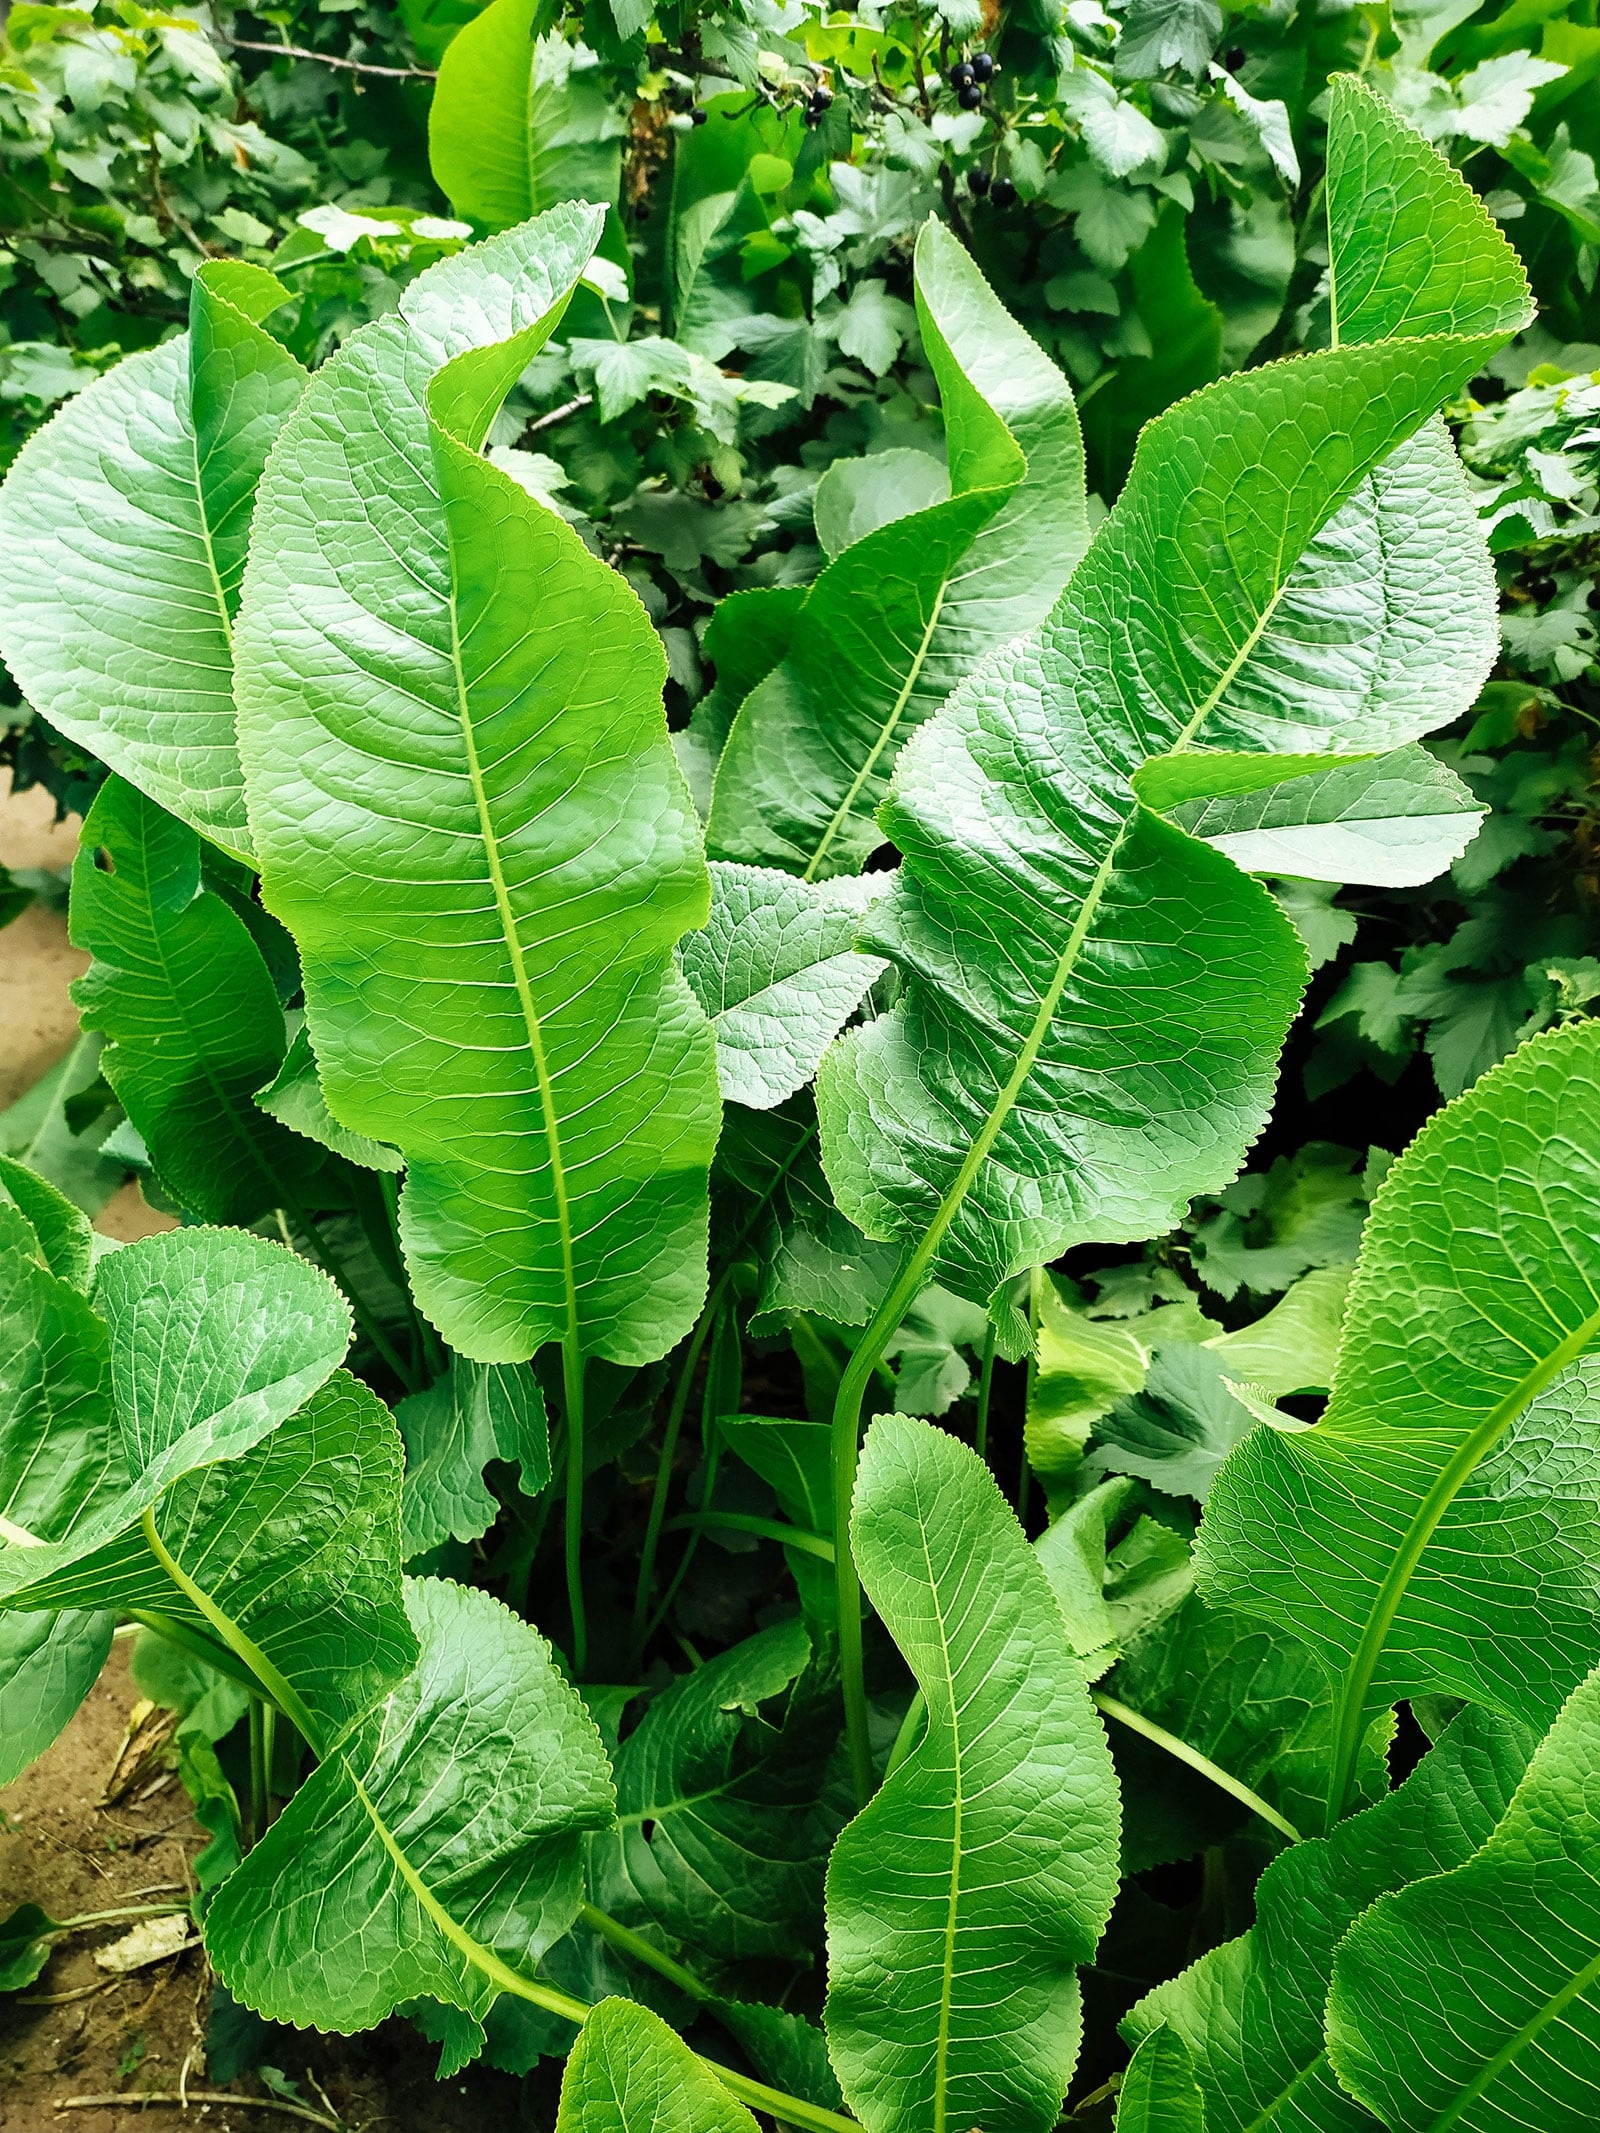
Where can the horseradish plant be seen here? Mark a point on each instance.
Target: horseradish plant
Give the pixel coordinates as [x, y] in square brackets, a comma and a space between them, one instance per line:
[324, 637]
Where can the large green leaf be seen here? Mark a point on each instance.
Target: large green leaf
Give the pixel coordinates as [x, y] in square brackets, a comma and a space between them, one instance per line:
[439, 1843]
[902, 615]
[474, 1413]
[1093, 999]
[514, 125]
[210, 1339]
[629, 2073]
[723, 1819]
[1433, 1531]
[962, 1898]
[1473, 2000]
[48, 1664]
[289, 1554]
[1251, 2012]
[470, 818]
[179, 987]
[123, 527]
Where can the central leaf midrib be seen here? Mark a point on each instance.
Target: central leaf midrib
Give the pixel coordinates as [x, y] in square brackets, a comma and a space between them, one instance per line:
[886, 730]
[1555, 2003]
[941, 2078]
[508, 927]
[1452, 1478]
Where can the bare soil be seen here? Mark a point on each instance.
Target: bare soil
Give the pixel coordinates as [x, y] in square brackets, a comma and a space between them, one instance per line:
[77, 2033]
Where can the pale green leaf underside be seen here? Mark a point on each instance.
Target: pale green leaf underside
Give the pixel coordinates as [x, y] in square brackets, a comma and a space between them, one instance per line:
[1159, 2093]
[1394, 821]
[447, 1825]
[962, 1898]
[471, 819]
[1434, 1530]
[294, 1097]
[1473, 2001]
[474, 1413]
[123, 526]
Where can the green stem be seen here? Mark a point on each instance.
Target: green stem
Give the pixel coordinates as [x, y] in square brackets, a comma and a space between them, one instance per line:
[669, 1450]
[193, 1640]
[776, 1529]
[1181, 1749]
[980, 1437]
[258, 1770]
[711, 1454]
[572, 1385]
[267, 1676]
[1035, 1284]
[909, 1734]
[646, 1952]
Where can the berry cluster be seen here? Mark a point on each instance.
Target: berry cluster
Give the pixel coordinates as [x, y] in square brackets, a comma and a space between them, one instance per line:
[821, 102]
[970, 77]
[999, 191]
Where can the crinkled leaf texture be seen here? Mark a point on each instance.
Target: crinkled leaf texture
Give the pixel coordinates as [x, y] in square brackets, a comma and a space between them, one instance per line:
[205, 1341]
[439, 1845]
[963, 1897]
[1251, 2012]
[1437, 1529]
[776, 970]
[723, 1809]
[471, 819]
[1093, 999]
[123, 528]
[474, 1413]
[181, 990]
[629, 2073]
[289, 1554]
[63, 1239]
[1473, 2000]
[901, 615]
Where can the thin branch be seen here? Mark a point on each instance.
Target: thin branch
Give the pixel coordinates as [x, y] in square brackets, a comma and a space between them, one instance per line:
[177, 2102]
[560, 414]
[328, 59]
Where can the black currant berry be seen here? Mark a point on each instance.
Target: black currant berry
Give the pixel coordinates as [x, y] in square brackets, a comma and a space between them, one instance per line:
[970, 97]
[1233, 58]
[1003, 192]
[821, 98]
[977, 183]
[960, 74]
[699, 115]
[983, 67]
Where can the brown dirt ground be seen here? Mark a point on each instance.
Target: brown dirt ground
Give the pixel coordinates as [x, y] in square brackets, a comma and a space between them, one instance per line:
[74, 2033]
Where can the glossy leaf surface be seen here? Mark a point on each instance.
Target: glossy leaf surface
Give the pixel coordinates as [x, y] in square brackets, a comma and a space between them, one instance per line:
[1043, 1081]
[904, 613]
[474, 1413]
[123, 527]
[48, 1664]
[1431, 1531]
[1251, 2012]
[446, 1827]
[962, 1899]
[487, 926]
[1473, 2000]
[629, 2073]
